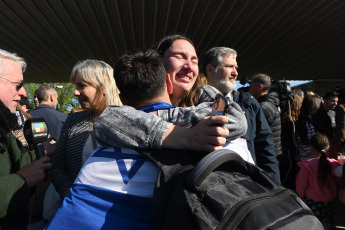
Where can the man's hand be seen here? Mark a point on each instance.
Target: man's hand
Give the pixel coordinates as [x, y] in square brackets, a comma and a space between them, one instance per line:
[49, 146]
[207, 135]
[34, 173]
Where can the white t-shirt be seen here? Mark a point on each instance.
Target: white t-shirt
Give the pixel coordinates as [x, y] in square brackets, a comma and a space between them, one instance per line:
[239, 145]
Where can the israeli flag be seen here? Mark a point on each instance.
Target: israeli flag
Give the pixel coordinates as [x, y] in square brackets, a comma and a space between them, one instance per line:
[113, 190]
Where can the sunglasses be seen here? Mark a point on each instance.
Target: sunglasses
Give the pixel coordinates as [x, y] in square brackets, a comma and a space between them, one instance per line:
[18, 84]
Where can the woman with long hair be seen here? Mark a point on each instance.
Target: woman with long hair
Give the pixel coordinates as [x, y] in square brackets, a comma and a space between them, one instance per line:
[290, 111]
[312, 119]
[181, 63]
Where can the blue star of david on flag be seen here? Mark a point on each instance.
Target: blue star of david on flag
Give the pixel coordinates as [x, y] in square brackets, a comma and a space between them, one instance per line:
[127, 174]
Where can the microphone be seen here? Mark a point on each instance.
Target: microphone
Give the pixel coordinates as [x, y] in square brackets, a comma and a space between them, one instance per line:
[36, 132]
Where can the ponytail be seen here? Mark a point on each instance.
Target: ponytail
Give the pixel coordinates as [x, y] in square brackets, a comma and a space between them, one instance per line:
[321, 143]
[324, 169]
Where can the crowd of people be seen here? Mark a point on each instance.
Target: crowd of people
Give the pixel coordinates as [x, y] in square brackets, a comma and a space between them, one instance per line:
[93, 175]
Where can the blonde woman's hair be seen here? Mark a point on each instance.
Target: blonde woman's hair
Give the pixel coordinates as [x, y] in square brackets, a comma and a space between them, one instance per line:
[99, 74]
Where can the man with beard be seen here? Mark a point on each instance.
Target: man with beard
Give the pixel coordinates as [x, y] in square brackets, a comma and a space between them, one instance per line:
[19, 172]
[220, 68]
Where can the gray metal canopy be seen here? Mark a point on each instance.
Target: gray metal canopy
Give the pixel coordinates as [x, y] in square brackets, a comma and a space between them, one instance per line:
[287, 39]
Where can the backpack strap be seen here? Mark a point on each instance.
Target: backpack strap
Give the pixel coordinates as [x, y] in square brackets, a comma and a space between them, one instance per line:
[210, 163]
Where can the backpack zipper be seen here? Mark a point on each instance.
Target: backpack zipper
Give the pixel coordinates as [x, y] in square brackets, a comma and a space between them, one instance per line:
[236, 214]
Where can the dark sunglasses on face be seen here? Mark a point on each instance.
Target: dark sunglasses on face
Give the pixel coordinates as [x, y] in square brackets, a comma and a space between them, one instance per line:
[18, 84]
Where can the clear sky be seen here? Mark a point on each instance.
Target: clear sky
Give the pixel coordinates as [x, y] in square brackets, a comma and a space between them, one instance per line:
[292, 83]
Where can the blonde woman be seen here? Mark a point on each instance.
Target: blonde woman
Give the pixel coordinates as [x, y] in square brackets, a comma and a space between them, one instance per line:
[95, 90]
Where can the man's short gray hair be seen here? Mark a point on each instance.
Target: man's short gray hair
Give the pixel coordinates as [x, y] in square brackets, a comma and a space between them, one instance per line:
[263, 79]
[13, 56]
[214, 56]
[44, 92]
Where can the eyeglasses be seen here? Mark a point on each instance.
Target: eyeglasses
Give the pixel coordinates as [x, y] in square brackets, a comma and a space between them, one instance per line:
[18, 84]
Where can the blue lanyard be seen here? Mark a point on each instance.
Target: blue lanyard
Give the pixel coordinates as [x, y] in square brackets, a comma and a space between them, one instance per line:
[156, 106]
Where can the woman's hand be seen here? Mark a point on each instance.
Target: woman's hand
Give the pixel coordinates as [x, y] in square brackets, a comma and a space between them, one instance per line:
[208, 135]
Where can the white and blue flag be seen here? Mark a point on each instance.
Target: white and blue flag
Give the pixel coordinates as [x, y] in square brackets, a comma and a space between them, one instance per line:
[113, 190]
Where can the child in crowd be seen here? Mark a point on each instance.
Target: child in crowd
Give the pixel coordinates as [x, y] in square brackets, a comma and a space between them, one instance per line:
[317, 179]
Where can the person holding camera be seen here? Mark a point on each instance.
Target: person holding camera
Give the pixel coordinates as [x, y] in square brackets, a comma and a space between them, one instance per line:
[19, 173]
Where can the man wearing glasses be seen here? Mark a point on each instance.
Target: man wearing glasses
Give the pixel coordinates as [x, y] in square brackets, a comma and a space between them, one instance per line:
[19, 172]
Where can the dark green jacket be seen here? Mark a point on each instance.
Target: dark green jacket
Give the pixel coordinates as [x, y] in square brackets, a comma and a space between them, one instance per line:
[14, 194]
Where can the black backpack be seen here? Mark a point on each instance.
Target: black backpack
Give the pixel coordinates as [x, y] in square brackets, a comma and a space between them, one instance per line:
[222, 191]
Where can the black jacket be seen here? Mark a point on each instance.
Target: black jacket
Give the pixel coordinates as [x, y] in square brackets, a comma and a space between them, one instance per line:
[270, 106]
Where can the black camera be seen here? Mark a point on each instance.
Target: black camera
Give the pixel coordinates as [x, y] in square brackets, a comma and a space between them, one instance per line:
[283, 89]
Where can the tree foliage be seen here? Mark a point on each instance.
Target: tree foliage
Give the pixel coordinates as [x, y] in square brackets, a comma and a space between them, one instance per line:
[66, 98]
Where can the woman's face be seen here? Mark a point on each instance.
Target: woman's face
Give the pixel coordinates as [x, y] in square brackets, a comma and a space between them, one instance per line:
[85, 93]
[181, 63]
